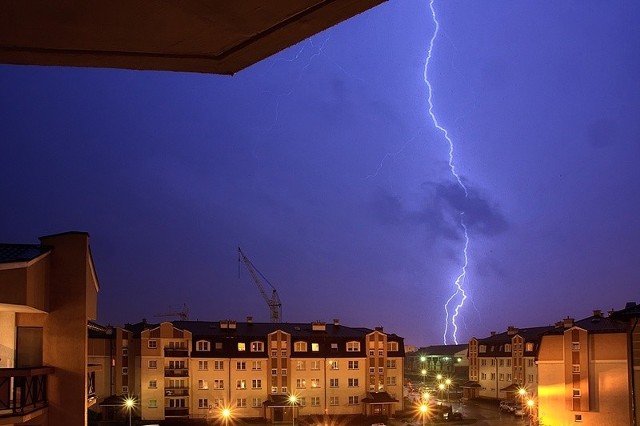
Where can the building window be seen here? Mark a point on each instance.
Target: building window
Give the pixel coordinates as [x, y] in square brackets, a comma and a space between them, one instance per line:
[274, 389]
[315, 401]
[218, 346]
[315, 347]
[354, 400]
[203, 403]
[353, 365]
[256, 365]
[203, 346]
[125, 390]
[483, 376]
[274, 371]
[353, 346]
[125, 351]
[391, 381]
[284, 389]
[153, 384]
[300, 346]
[576, 393]
[256, 402]
[508, 377]
[353, 383]
[203, 365]
[218, 402]
[530, 363]
[241, 384]
[241, 402]
[242, 346]
[391, 363]
[218, 384]
[315, 365]
[483, 348]
[274, 354]
[501, 363]
[218, 365]
[152, 344]
[530, 378]
[483, 362]
[507, 347]
[529, 347]
[125, 371]
[575, 346]
[302, 401]
[578, 417]
[392, 346]
[301, 383]
[380, 353]
[334, 347]
[372, 353]
[202, 384]
[372, 370]
[256, 384]
[257, 346]
[508, 363]
[153, 403]
[501, 377]
[333, 365]
[153, 364]
[241, 365]
[283, 371]
[283, 354]
[333, 383]
[334, 400]
[315, 383]
[300, 366]
[381, 370]
[575, 368]
[493, 376]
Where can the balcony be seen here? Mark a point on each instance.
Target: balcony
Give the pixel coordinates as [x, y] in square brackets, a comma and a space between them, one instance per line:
[23, 390]
[176, 372]
[176, 391]
[176, 352]
[176, 412]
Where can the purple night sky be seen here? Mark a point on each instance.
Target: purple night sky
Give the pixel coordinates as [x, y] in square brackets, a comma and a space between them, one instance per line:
[323, 165]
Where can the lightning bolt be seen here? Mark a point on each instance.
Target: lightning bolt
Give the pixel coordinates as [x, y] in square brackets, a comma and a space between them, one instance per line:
[459, 292]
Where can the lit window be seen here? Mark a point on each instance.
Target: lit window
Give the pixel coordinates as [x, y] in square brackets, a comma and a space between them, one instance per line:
[202, 384]
[315, 383]
[300, 365]
[529, 347]
[153, 403]
[300, 346]
[315, 347]
[242, 346]
[256, 365]
[315, 365]
[333, 365]
[301, 383]
[483, 348]
[241, 384]
[353, 346]
[284, 389]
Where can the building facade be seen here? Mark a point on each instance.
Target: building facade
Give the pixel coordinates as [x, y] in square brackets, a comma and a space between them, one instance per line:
[196, 369]
[48, 293]
[588, 370]
[503, 363]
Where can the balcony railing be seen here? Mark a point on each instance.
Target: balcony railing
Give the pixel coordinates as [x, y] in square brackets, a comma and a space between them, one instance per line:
[176, 392]
[176, 352]
[176, 412]
[176, 372]
[23, 390]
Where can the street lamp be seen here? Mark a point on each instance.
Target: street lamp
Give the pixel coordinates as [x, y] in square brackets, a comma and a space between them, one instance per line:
[129, 403]
[448, 384]
[530, 404]
[424, 408]
[293, 400]
[225, 413]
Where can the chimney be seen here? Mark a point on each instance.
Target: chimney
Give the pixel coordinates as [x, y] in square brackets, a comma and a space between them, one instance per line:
[380, 329]
[630, 305]
[336, 322]
[597, 313]
[318, 326]
[511, 330]
[249, 319]
[493, 333]
[567, 322]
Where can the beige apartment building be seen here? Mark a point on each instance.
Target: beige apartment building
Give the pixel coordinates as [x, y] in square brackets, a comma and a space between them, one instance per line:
[589, 369]
[196, 369]
[503, 363]
[48, 293]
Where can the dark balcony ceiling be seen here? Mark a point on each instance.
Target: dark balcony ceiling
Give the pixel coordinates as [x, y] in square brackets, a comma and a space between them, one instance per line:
[220, 37]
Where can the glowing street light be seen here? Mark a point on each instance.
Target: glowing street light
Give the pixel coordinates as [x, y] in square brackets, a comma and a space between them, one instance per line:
[530, 404]
[129, 403]
[447, 382]
[225, 414]
[293, 401]
[424, 409]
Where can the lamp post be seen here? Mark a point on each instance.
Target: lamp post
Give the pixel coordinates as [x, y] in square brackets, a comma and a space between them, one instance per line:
[424, 408]
[530, 405]
[448, 384]
[129, 403]
[293, 400]
[441, 389]
[226, 413]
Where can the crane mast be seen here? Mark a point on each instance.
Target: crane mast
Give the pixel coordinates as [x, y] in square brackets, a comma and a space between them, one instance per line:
[273, 301]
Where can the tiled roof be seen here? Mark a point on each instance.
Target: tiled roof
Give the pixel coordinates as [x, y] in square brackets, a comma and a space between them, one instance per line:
[378, 398]
[21, 252]
[631, 310]
[594, 324]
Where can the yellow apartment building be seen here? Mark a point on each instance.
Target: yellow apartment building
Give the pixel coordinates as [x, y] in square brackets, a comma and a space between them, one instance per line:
[48, 294]
[196, 369]
[588, 370]
[503, 363]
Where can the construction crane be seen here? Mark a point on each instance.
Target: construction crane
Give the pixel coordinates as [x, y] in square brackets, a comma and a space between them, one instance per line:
[275, 306]
[183, 314]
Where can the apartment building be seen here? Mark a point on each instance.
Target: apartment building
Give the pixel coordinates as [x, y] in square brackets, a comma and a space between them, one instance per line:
[195, 369]
[48, 293]
[423, 365]
[503, 363]
[589, 369]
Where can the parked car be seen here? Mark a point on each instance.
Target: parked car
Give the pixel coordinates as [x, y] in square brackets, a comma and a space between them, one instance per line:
[520, 412]
[508, 406]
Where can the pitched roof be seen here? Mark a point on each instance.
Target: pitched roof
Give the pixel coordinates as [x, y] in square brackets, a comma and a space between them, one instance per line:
[378, 398]
[631, 310]
[21, 252]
